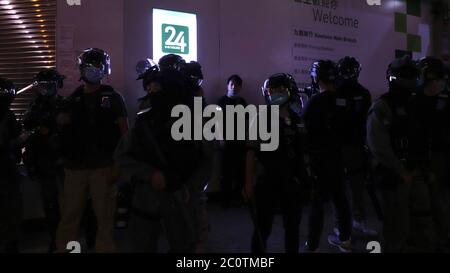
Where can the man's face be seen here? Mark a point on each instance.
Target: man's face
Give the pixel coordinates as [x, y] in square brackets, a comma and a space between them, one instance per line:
[153, 87]
[234, 87]
[435, 86]
[279, 90]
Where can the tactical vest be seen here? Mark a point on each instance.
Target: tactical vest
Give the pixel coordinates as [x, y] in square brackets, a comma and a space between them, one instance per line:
[96, 126]
[433, 121]
[153, 144]
[398, 128]
[352, 109]
[287, 162]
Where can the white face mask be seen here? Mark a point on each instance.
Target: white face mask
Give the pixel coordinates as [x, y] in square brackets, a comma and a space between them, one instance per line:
[232, 94]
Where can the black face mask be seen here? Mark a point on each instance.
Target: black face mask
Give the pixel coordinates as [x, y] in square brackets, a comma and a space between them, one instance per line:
[160, 103]
[401, 94]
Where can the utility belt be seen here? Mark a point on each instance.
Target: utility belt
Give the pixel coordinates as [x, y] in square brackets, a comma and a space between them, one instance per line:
[147, 201]
[401, 148]
[384, 178]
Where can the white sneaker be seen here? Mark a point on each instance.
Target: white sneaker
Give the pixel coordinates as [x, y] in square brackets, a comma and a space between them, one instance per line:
[361, 227]
[344, 246]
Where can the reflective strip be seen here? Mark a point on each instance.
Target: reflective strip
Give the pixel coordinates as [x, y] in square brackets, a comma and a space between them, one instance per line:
[341, 102]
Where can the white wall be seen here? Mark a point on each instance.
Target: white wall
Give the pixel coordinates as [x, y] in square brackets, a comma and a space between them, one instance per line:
[96, 23]
[253, 38]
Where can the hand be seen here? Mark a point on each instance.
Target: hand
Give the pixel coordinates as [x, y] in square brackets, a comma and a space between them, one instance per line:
[24, 136]
[248, 192]
[44, 131]
[115, 174]
[63, 119]
[187, 196]
[158, 181]
[407, 178]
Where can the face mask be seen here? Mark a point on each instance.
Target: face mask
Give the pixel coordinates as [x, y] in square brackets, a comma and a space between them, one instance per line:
[279, 99]
[93, 74]
[296, 107]
[232, 94]
[47, 89]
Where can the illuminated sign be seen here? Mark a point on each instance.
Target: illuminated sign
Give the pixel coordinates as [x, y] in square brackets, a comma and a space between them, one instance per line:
[174, 33]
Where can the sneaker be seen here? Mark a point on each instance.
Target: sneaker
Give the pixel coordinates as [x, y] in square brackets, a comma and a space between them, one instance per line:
[361, 227]
[308, 249]
[344, 246]
[336, 231]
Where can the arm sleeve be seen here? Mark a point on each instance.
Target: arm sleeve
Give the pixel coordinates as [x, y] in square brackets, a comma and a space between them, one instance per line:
[130, 166]
[379, 140]
[120, 110]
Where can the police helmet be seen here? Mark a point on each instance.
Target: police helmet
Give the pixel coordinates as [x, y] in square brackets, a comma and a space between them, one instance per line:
[171, 61]
[193, 71]
[349, 68]
[49, 81]
[143, 66]
[324, 70]
[152, 74]
[432, 69]
[402, 68]
[95, 57]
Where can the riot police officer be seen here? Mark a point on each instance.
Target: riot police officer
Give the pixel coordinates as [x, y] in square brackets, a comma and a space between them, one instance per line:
[42, 157]
[11, 140]
[193, 71]
[92, 126]
[353, 102]
[429, 156]
[387, 139]
[165, 172]
[324, 128]
[198, 202]
[279, 185]
[145, 69]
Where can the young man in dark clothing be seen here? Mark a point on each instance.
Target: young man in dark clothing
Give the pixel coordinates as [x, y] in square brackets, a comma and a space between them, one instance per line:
[233, 151]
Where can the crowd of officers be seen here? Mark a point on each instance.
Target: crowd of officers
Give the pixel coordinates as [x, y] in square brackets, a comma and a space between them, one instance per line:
[394, 150]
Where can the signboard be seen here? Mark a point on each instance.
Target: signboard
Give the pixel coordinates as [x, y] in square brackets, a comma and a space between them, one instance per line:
[374, 34]
[174, 33]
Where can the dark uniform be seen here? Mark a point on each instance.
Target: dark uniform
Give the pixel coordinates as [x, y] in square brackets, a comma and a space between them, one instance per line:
[353, 102]
[42, 157]
[92, 125]
[10, 195]
[280, 174]
[324, 146]
[388, 141]
[233, 157]
[429, 151]
[324, 123]
[148, 148]
[42, 150]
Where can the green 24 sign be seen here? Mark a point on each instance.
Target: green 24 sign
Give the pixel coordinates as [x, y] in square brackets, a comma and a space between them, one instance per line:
[175, 39]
